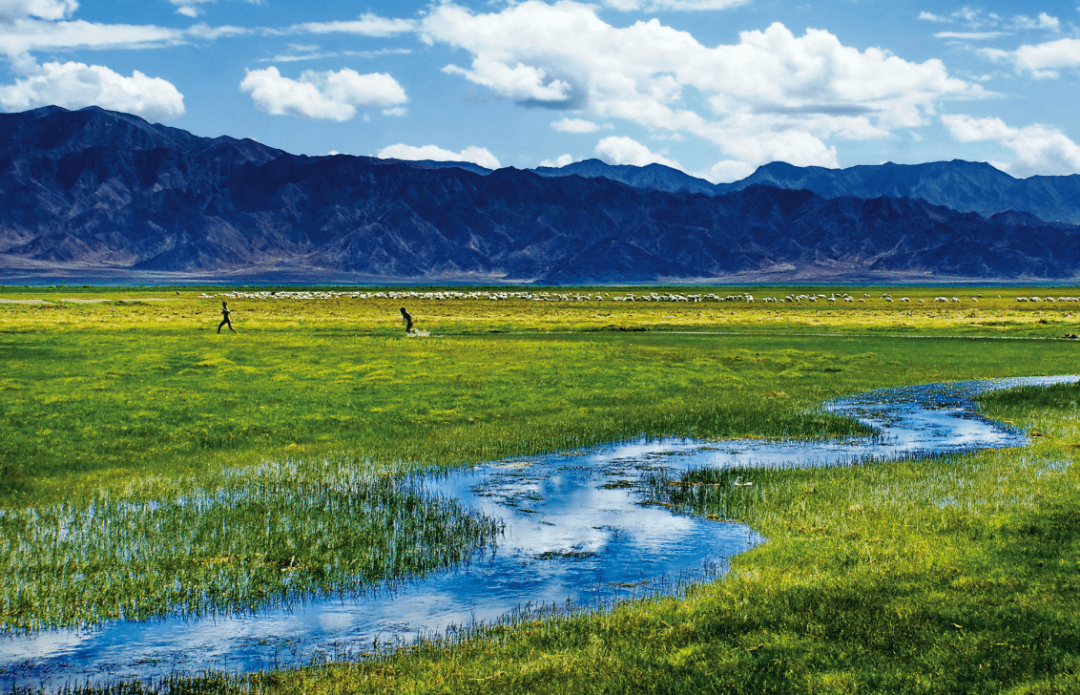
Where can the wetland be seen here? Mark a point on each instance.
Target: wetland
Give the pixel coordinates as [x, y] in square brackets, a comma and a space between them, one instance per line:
[130, 402]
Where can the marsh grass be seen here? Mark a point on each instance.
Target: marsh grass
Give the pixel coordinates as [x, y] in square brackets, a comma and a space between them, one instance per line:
[237, 541]
[911, 576]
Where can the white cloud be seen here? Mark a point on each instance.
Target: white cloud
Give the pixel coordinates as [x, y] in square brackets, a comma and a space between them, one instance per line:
[189, 8]
[982, 26]
[368, 25]
[330, 95]
[520, 82]
[975, 18]
[673, 5]
[1041, 61]
[1038, 149]
[931, 17]
[771, 95]
[726, 171]
[208, 33]
[575, 125]
[76, 85]
[971, 35]
[476, 155]
[43, 9]
[623, 150]
[315, 54]
[1045, 59]
[1043, 21]
[995, 54]
[21, 36]
[560, 161]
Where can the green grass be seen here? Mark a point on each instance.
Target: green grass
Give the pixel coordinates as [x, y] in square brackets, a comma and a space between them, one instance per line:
[900, 577]
[235, 541]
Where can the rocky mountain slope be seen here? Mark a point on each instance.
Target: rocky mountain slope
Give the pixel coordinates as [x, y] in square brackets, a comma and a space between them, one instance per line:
[959, 185]
[101, 191]
[964, 186]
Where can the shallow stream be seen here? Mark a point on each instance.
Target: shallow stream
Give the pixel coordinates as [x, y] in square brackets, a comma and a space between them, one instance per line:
[579, 532]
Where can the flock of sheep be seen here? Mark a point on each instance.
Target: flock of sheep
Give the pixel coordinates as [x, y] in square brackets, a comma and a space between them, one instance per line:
[452, 295]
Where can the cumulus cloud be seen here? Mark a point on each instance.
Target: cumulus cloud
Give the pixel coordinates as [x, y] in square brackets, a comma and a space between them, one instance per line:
[476, 155]
[329, 95]
[76, 85]
[623, 150]
[575, 125]
[771, 95]
[1038, 149]
[1044, 60]
[1040, 61]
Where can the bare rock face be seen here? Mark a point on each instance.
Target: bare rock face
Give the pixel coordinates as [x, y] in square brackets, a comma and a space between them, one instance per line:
[92, 189]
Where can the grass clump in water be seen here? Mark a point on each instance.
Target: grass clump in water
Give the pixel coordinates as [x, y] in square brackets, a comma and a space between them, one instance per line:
[237, 541]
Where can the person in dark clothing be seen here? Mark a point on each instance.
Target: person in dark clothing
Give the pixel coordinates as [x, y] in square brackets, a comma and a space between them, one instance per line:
[225, 318]
[407, 318]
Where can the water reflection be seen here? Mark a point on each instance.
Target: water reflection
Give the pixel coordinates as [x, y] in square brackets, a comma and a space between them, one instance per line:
[576, 532]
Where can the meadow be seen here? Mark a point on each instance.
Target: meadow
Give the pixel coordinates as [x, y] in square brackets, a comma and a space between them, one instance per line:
[275, 460]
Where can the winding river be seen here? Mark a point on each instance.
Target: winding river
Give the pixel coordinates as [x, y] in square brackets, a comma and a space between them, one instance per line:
[577, 534]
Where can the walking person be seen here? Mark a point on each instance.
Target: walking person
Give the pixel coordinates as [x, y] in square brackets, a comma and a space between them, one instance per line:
[407, 318]
[225, 318]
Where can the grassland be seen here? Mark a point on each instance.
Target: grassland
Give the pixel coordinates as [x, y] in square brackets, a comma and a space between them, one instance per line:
[953, 575]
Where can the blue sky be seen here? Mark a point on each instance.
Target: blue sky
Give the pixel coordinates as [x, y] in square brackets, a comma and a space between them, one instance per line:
[713, 87]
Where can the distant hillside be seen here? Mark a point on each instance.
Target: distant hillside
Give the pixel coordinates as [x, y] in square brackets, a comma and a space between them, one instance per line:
[656, 176]
[963, 186]
[99, 191]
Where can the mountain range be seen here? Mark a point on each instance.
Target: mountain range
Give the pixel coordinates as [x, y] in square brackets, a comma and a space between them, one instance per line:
[93, 193]
[959, 185]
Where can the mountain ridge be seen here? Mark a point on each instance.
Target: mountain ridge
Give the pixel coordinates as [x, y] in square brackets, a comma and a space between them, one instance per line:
[960, 185]
[114, 194]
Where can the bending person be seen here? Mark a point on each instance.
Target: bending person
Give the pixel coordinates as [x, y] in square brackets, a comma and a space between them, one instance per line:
[407, 318]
